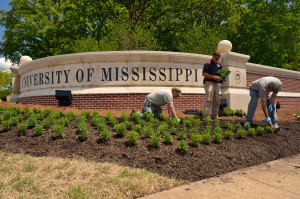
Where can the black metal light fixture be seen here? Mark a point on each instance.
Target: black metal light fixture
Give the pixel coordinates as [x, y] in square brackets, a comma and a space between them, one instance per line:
[64, 97]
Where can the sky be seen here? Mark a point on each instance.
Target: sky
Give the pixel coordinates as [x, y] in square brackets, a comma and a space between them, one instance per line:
[3, 6]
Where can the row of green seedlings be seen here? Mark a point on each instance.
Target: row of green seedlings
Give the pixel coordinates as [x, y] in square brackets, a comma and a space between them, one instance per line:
[38, 120]
[227, 111]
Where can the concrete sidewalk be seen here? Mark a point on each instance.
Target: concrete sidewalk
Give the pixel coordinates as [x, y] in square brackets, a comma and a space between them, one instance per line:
[272, 180]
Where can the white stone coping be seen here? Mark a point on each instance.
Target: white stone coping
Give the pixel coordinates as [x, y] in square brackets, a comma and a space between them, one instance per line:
[122, 90]
[268, 70]
[114, 56]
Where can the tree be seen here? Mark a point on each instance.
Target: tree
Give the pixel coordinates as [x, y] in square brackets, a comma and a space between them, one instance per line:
[5, 83]
[269, 32]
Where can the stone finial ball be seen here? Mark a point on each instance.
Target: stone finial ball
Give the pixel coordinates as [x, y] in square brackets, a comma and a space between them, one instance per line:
[224, 46]
[25, 59]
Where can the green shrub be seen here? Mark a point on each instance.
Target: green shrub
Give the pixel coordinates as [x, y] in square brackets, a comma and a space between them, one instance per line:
[195, 138]
[22, 127]
[260, 130]
[168, 139]
[82, 130]
[218, 129]
[229, 126]
[206, 138]
[48, 122]
[183, 146]
[148, 116]
[124, 117]
[154, 141]
[241, 133]
[251, 131]
[206, 120]
[31, 122]
[187, 122]
[237, 126]
[148, 131]
[38, 130]
[70, 115]
[182, 134]
[59, 130]
[111, 120]
[172, 121]
[162, 129]
[120, 129]
[138, 128]
[247, 126]
[239, 112]
[297, 115]
[218, 137]
[269, 129]
[173, 130]
[228, 134]
[105, 135]
[227, 111]
[201, 112]
[132, 137]
[6, 125]
[135, 117]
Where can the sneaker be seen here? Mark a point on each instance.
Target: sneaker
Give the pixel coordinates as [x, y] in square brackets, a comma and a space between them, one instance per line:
[276, 128]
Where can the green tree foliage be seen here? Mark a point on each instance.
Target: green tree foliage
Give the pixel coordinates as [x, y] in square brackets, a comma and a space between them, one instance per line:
[268, 31]
[5, 83]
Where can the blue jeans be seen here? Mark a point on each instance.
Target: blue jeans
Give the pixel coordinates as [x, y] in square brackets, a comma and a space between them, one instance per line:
[152, 108]
[252, 108]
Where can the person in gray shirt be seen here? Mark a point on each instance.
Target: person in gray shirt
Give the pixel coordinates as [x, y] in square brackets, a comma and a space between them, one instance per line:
[155, 100]
[265, 88]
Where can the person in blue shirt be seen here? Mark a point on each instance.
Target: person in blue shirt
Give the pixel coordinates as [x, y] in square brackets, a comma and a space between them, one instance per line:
[212, 82]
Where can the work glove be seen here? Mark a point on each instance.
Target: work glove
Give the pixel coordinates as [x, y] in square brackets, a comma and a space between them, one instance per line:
[268, 119]
[178, 119]
[270, 107]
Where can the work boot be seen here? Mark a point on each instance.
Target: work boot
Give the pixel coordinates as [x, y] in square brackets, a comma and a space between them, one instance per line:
[276, 128]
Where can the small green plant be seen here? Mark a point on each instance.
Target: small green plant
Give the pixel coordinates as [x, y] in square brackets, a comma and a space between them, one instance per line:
[148, 116]
[148, 131]
[183, 146]
[239, 112]
[247, 126]
[201, 112]
[154, 141]
[162, 129]
[172, 121]
[260, 130]
[228, 134]
[218, 137]
[241, 133]
[136, 117]
[48, 122]
[188, 122]
[251, 131]
[59, 130]
[32, 121]
[168, 139]
[269, 129]
[22, 127]
[229, 126]
[237, 126]
[105, 135]
[195, 139]
[132, 137]
[120, 129]
[223, 73]
[124, 117]
[173, 130]
[38, 130]
[227, 111]
[182, 134]
[206, 138]
[111, 120]
[138, 128]
[297, 115]
[82, 130]
[206, 120]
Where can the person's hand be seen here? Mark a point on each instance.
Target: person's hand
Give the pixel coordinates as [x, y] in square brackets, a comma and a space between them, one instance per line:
[270, 107]
[268, 119]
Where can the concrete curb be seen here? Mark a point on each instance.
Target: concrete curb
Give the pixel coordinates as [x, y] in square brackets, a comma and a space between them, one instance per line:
[275, 179]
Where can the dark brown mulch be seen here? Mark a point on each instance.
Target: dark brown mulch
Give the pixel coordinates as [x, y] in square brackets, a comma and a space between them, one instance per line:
[198, 163]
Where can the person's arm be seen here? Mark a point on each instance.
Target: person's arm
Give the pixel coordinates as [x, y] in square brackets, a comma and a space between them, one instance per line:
[272, 98]
[207, 75]
[171, 110]
[264, 108]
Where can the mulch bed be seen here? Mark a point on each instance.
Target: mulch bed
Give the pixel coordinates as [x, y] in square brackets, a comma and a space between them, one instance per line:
[198, 163]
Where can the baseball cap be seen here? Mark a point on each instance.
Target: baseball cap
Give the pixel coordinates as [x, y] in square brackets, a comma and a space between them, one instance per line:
[178, 90]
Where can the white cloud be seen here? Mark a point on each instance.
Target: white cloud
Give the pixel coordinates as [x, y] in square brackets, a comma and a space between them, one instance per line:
[4, 65]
